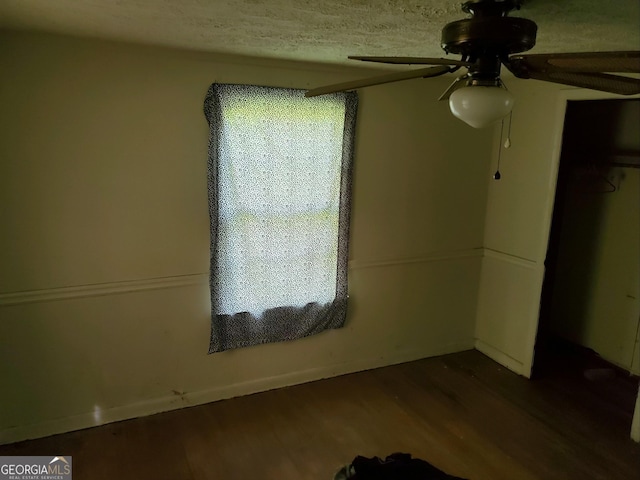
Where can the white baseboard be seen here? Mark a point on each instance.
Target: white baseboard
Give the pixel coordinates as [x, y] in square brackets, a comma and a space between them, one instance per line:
[635, 424]
[500, 357]
[174, 402]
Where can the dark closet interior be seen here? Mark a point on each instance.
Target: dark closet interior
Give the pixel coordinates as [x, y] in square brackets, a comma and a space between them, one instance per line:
[590, 315]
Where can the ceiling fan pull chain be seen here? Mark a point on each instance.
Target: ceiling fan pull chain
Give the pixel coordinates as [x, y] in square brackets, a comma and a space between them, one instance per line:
[507, 143]
[497, 176]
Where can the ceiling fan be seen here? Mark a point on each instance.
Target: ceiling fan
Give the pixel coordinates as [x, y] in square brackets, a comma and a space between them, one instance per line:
[486, 41]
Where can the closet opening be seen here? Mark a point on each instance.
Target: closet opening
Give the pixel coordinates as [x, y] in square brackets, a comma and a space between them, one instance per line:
[589, 326]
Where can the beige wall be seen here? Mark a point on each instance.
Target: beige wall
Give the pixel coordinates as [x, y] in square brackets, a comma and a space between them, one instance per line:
[104, 310]
[518, 217]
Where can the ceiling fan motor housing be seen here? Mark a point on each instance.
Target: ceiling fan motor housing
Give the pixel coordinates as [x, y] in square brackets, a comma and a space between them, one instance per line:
[479, 36]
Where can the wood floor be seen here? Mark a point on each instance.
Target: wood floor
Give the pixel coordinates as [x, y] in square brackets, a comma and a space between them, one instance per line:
[463, 413]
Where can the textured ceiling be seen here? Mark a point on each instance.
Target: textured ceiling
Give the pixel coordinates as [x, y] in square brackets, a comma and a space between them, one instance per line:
[318, 30]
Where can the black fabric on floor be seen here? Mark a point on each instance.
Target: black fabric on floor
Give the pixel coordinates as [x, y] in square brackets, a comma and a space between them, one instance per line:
[399, 466]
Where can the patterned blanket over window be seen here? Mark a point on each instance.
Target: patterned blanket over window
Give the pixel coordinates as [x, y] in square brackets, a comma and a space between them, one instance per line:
[279, 180]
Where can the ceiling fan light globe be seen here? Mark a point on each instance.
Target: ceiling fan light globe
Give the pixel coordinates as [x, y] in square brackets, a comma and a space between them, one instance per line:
[479, 106]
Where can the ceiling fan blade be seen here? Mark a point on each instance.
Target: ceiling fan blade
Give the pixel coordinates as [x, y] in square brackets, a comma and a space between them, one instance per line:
[595, 81]
[453, 87]
[619, 62]
[413, 61]
[388, 78]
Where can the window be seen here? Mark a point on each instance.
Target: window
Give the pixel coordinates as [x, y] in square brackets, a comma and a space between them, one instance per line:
[279, 186]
